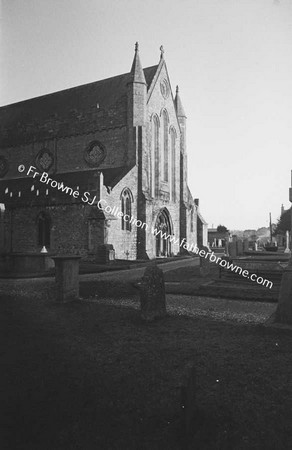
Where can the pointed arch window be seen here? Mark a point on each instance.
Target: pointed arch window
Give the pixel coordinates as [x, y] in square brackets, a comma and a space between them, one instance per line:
[173, 168]
[126, 208]
[192, 219]
[165, 145]
[44, 229]
[155, 156]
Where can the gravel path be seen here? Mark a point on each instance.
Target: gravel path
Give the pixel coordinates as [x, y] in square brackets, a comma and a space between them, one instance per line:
[218, 309]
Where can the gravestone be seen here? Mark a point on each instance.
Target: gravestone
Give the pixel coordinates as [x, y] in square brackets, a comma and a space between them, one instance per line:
[67, 277]
[152, 294]
[239, 247]
[232, 252]
[245, 245]
[205, 265]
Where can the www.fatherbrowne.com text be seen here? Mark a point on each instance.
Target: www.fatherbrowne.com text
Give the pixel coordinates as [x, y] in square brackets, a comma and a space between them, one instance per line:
[104, 206]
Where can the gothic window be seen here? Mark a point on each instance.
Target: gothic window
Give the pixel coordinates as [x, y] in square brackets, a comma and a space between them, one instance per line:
[173, 168]
[192, 219]
[165, 145]
[126, 208]
[43, 229]
[155, 158]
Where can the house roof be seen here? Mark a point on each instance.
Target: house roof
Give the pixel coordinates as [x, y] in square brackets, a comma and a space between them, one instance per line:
[76, 110]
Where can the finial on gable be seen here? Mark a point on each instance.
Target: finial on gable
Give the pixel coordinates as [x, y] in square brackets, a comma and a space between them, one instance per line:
[161, 52]
[176, 90]
[137, 74]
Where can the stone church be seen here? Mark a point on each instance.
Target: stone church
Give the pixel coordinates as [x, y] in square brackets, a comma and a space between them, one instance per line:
[117, 144]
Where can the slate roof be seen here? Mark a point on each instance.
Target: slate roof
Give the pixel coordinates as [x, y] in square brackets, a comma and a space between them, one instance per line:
[67, 112]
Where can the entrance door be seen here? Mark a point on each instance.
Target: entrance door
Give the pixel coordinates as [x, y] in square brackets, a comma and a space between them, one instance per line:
[163, 245]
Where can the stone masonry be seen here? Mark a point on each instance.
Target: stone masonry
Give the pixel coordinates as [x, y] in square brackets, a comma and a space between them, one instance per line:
[121, 140]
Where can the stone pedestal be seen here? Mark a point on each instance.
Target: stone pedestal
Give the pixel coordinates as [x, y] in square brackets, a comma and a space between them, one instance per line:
[283, 313]
[67, 277]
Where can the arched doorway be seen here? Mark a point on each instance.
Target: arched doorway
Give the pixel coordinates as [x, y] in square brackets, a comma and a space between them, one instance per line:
[164, 225]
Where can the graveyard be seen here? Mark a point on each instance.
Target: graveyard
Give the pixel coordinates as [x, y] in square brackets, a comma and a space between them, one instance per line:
[145, 271]
[108, 371]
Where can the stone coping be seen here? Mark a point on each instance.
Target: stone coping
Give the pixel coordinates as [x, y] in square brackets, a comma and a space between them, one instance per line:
[63, 257]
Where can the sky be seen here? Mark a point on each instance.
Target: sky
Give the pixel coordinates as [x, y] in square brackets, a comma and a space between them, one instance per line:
[232, 60]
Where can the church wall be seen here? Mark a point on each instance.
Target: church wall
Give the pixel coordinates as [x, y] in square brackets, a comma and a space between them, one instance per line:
[69, 228]
[191, 237]
[124, 242]
[69, 222]
[69, 152]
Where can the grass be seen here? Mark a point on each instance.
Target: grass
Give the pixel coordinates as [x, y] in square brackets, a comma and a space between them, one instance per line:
[88, 376]
[191, 274]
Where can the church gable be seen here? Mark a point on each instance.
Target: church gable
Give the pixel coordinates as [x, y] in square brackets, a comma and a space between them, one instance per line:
[162, 153]
[160, 96]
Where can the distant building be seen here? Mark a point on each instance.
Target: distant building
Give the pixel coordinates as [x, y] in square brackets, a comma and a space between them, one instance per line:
[218, 239]
[250, 234]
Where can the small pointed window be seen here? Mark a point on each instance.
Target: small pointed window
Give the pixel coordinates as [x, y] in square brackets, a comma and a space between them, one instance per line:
[126, 208]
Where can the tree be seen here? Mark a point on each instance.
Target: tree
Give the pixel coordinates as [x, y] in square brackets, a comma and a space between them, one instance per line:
[222, 229]
[284, 223]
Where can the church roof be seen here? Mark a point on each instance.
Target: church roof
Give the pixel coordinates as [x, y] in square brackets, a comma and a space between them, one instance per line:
[78, 110]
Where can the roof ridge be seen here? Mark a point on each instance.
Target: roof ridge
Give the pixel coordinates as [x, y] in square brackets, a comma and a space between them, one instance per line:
[73, 88]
